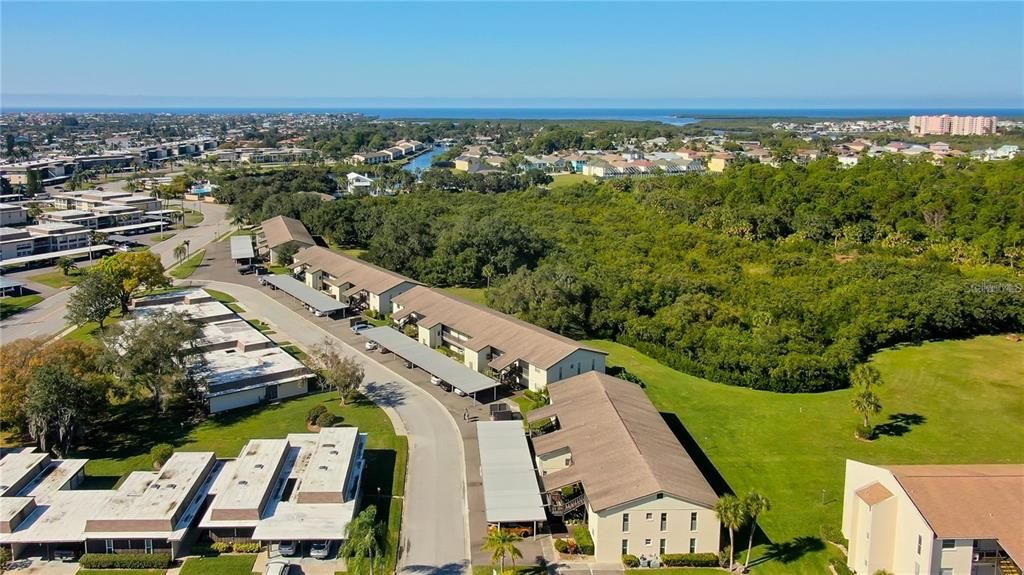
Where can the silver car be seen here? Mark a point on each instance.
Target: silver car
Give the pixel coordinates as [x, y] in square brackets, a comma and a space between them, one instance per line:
[287, 548]
[320, 550]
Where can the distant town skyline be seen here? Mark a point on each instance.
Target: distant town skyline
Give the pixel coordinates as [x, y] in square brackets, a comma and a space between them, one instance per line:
[685, 55]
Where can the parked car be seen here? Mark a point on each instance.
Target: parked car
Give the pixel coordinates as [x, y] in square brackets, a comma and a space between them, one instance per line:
[287, 548]
[319, 313]
[259, 270]
[371, 345]
[436, 380]
[360, 328]
[263, 281]
[246, 270]
[64, 556]
[408, 364]
[459, 392]
[279, 568]
[320, 550]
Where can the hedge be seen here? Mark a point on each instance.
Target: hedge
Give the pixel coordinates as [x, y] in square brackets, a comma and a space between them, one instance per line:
[583, 539]
[690, 559]
[125, 560]
[630, 561]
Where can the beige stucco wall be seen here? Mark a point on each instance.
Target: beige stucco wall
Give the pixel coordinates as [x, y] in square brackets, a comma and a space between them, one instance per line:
[476, 360]
[606, 528]
[429, 337]
[577, 362]
[901, 527]
[550, 462]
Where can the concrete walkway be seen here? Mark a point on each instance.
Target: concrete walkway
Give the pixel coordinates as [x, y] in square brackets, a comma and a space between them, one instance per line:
[434, 527]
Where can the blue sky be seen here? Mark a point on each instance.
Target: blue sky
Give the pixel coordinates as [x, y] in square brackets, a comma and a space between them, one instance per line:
[726, 54]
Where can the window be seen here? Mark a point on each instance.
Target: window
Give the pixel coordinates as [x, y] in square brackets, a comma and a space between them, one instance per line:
[693, 545]
[625, 546]
[148, 545]
[108, 545]
[946, 571]
[693, 521]
[949, 543]
[661, 546]
[625, 522]
[659, 496]
[647, 542]
[918, 544]
[649, 516]
[664, 521]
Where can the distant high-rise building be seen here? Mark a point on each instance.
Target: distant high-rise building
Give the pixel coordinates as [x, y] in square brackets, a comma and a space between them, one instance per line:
[954, 125]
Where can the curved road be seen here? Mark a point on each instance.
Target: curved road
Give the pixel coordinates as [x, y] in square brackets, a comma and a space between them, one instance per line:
[46, 319]
[434, 526]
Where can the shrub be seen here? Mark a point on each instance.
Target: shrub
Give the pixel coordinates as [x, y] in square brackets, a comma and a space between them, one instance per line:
[204, 550]
[253, 547]
[834, 534]
[372, 314]
[325, 419]
[411, 330]
[221, 547]
[160, 454]
[865, 431]
[631, 561]
[625, 375]
[315, 412]
[124, 560]
[561, 545]
[690, 560]
[5, 556]
[583, 539]
[723, 557]
[840, 566]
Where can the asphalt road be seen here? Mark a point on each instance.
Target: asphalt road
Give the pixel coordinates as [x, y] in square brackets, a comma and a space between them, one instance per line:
[46, 319]
[434, 527]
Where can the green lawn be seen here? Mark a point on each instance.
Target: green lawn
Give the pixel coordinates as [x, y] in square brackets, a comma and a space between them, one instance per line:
[566, 180]
[519, 570]
[475, 295]
[56, 279]
[279, 270]
[161, 237]
[351, 252]
[944, 402]
[220, 565]
[17, 304]
[188, 267]
[193, 218]
[221, 296]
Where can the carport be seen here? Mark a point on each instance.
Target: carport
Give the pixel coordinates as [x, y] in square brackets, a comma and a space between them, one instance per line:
[13, 286]
[319, 301]
[511, 493]
[241, 249]
[452, 372]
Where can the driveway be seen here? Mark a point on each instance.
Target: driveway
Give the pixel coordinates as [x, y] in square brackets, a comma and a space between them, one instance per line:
[434, 527]
[46, 319]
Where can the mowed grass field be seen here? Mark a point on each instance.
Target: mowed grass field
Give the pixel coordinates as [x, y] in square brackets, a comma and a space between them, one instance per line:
[944, 402]
[565, 180]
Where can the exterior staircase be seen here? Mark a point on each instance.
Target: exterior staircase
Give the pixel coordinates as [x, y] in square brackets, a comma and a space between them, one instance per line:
[1008, 567]
[562, 507]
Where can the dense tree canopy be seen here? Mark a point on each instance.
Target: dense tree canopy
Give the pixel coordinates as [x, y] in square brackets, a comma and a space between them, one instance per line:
[773, 278]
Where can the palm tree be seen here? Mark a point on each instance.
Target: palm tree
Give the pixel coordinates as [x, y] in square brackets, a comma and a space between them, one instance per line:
[866, 403]
[865, 376]
[755, 504]
[363, 536]
[732, 514]
[188, 247]
[66, 265]
[502, 543]
[180, 252]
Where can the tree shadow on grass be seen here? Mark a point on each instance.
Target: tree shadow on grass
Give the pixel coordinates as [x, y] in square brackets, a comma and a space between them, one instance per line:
[133, 428]
[383, 394]
[899, 424]
[790, 551]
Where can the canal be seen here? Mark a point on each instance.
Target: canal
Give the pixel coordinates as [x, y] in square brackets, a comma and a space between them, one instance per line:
[422, 162]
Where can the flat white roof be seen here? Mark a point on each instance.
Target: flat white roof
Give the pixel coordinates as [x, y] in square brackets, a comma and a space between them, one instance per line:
[130, 227]
[297, 521]
[232, 368]
[236, 330]
[243, 485]
[241, 248]
[327, 468]
[511, 493]
[157, 495]
[60, 254]
[15, 468]
[425, 358]
[54, 477]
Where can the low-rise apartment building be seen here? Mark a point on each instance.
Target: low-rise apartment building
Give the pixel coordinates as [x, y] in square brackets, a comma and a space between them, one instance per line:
[302, 488]
[638, 490]
[42, 239]
[13, 215]
[243, 367]
[281, 235]
[934, 519]
[353, 281]
[490, 342]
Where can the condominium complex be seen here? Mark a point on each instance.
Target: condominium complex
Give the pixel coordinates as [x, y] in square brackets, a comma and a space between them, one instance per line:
[952, 125]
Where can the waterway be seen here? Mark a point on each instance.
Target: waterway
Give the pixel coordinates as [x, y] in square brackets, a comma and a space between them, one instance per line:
[422, 161]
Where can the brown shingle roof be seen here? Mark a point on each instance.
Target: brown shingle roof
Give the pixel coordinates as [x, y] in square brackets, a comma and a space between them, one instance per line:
[487, 327]
[281, 230]
[361, 274]
[622, 449]
[969, 501]
[874, 494]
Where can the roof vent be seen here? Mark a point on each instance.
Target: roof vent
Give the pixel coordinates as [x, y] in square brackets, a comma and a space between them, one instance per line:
[258, 466]
[334, 452]
[323, 467]
[243, 482]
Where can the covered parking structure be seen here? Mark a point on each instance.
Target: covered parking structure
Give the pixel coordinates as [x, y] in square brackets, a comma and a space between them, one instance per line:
[511, 492]
[318, 301]
[241, 249]
[47, 256]
[452, 372]
[10, 286]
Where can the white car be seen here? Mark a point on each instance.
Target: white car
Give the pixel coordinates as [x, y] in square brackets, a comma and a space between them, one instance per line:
[459, 392]
[320, 550]
[360, 328]
[436, 380]
[287, 548]
[371, 345]
[278, 568]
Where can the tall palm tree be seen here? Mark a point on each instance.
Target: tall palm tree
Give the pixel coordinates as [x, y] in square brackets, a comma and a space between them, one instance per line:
[66, 265]
[755, 504]
[866, 403]
[363, 536]
[502, 543]
[732, 515]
